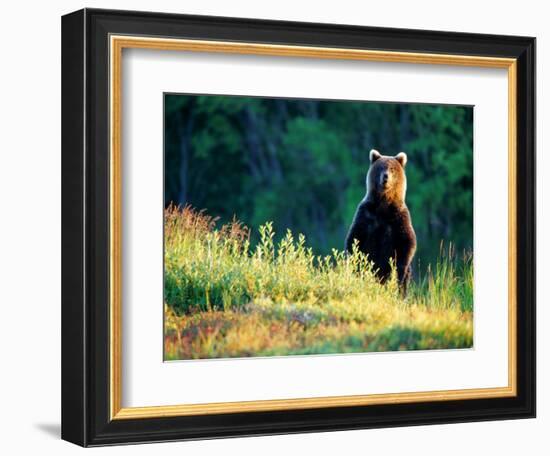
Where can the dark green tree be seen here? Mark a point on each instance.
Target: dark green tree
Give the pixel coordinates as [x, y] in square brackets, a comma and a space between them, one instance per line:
[302, 163]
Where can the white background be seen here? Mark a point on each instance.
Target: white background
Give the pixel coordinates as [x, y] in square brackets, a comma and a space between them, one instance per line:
[147, 74]
[30, 232]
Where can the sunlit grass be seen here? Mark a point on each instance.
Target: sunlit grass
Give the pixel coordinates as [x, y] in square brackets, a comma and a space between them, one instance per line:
[225, 298]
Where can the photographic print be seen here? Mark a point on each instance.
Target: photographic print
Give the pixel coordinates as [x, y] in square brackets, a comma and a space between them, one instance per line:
[300, 226]
[302, 196]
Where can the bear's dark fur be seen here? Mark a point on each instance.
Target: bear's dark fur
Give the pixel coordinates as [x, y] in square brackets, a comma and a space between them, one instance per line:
[382, 223]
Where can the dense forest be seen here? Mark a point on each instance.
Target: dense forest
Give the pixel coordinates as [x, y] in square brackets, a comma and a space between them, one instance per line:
[302, 164]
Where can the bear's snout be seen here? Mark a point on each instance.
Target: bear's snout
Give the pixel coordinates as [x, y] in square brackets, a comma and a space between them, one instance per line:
[384, 178]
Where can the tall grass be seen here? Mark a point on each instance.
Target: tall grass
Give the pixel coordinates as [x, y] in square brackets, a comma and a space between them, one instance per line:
[448, 283]
[224, 297]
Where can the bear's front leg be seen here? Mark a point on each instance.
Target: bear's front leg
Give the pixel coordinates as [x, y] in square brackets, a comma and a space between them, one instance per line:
[404, 251]
[358, 230]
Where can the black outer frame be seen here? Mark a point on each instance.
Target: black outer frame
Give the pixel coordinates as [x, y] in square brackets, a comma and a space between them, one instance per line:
[85, 227]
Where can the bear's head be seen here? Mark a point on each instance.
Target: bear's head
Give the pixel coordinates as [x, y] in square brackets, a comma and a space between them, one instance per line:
[386, 178]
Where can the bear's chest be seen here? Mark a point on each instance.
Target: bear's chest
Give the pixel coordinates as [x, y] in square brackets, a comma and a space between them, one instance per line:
[380, 231]
[380, 238]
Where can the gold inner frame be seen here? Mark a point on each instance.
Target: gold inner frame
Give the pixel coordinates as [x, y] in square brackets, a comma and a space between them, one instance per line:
[117, 44]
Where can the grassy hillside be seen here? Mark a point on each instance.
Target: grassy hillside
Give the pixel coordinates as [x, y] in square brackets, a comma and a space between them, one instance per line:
[225, 298]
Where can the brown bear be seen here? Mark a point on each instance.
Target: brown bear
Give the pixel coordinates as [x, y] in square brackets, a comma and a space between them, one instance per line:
[382, 223]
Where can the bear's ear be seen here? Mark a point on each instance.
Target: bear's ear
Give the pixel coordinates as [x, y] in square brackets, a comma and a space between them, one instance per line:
[401, 157]
[374, 155]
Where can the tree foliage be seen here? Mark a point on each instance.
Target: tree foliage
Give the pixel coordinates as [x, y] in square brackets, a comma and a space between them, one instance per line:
[302, 164]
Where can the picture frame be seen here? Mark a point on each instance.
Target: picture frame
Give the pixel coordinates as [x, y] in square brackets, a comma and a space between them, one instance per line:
[92, 45]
